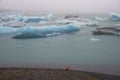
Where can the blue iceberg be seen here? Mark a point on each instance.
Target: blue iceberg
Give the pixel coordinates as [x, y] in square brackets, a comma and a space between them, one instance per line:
[7, 30]
[35, 19]
[45, 31]
[32, 19]
[115, 17]
[8, 17]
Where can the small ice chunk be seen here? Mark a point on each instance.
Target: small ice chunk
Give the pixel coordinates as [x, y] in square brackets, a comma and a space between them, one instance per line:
[95, 39]
[42, 22]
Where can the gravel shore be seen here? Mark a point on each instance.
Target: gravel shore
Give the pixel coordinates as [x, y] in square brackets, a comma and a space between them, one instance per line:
[51, 74]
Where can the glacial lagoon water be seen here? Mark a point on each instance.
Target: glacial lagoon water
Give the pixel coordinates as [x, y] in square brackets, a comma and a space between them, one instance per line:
[81, 50]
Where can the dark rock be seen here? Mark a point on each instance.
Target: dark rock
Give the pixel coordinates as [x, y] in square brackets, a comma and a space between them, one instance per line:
[71, 16]
[107, 31]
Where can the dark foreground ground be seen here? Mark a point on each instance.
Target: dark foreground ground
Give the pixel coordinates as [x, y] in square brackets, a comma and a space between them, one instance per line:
[51, 74]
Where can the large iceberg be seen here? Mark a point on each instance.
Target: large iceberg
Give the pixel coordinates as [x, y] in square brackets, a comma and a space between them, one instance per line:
[114, 17]
[7, 30]
[45, 31]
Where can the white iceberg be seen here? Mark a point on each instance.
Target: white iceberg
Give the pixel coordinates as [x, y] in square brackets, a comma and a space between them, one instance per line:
[45, 31]
[91, 23]
[114, 17]
[94, 39]
[81, 22]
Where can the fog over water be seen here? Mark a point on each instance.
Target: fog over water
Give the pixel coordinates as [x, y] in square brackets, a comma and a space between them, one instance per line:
[63, 6]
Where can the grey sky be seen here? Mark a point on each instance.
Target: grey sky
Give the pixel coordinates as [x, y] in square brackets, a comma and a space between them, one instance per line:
[63, 6]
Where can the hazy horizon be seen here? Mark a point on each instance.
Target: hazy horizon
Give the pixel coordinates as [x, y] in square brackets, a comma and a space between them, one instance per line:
[62, 6]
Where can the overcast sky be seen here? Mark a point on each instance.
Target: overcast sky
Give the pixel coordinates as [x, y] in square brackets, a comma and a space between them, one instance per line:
[63, 6]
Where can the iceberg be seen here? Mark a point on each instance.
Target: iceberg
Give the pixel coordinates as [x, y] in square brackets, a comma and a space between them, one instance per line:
[45, 31]
[94, 39]
[32, 19]
[85, 23]
[35, 19]
[115, 17]
[8, 17]
[81, 22]
[7, 30]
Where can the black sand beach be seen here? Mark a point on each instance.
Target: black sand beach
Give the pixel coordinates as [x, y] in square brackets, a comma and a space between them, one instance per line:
[51, 74]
